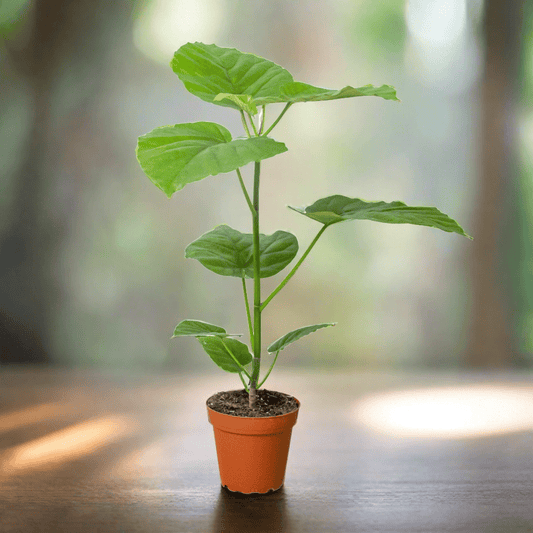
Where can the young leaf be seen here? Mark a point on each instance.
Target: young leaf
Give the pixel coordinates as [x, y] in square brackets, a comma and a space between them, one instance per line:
[293, 336]
[229, 252]
[197, 328]
[207, 70]
[173, 156]
[302, 92]
[243, 101]
[217, 348]
[334, 209]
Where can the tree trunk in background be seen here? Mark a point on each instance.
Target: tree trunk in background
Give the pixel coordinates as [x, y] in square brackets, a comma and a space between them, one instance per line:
[60, 34]
[491, 341]
[23, 307]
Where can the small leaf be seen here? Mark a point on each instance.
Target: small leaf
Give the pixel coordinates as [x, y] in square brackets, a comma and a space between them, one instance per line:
[302, 92]
[197, 328]
[243, 101]
[293, 336]
[334, 209]
[229, 252]
[173, 156]
[217, 348]
[207, 70]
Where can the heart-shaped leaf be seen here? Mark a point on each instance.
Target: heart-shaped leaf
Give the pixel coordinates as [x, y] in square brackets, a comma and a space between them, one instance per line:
[334, 209]
[229, 252]
[213, 74]
[207, 70]
[197, 328]
[293, 336]
[173, 156]
[219, 348]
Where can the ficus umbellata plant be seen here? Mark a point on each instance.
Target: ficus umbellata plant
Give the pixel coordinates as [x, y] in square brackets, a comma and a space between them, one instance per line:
[174, 156]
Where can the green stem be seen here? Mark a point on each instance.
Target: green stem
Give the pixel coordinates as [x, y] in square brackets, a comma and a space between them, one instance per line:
[256, 363]
[249, 317]
[262, 119]
[243, 382]
[253, 125]
[236, 362]
[270, 369]
[243, 187]
[274, 124]
[296, 267]
[243, 118]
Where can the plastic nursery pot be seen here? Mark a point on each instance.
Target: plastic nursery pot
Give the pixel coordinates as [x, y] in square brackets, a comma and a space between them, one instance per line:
[252, 452]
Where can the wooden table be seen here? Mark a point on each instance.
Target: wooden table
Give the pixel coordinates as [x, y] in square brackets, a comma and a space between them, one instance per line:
[82, 451]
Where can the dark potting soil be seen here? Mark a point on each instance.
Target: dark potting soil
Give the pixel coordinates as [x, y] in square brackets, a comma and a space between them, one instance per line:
[268, 403]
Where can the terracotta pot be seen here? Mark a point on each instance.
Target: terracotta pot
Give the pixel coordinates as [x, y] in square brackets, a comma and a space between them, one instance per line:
[252, 452]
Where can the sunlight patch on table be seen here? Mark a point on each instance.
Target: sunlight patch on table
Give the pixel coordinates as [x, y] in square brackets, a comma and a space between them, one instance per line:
[32, 415]
[448, 412]
[67, 444]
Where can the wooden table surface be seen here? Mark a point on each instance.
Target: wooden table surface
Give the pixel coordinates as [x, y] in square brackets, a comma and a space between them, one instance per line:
[82, 451]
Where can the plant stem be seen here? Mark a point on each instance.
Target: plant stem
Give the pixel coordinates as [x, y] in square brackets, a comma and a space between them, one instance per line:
[250, 328]
[262, 119]
[293, 271]
[235, 360]
[243, 187]
[244, 382]
[285, 109]
[256, 363]
[243, 118]
[253, 125]
[270, 369]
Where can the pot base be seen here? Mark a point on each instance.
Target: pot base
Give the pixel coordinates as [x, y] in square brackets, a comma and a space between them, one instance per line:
[271, 491]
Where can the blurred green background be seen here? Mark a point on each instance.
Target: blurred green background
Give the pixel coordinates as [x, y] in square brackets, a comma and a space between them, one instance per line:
[92, 267]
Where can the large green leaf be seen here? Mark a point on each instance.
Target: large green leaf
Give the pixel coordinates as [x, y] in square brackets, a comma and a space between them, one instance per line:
[218, 347]
[293, 336]
[229, 252]
[334, 209]
[173, 156]
[197, 328]
[228, 77]
[207, 70]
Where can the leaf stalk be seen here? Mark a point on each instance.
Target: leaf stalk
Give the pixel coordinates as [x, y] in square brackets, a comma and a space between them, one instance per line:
[245, 191]
[245, 125]
[274, 124]
[296, 267]
[269, 370]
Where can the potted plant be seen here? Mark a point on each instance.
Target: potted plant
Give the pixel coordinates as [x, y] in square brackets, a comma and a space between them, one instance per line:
[253, 425]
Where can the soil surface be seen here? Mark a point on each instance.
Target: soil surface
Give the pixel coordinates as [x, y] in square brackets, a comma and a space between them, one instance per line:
[268, 403]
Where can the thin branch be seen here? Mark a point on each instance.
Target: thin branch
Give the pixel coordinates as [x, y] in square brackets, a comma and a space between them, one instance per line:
[246, 195]
[274, 124]
[236, 362]
[262, 119]
[243, 382]
[253, 125]
[269, 370]
[293, 271]
[243, 118]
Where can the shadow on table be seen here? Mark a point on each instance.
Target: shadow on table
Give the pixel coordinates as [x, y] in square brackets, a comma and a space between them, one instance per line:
[258, 513]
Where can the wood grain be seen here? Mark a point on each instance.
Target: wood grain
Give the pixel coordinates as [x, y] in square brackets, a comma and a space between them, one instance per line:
[87, 452]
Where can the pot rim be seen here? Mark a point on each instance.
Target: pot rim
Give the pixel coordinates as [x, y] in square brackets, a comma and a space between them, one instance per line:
[257, 417]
